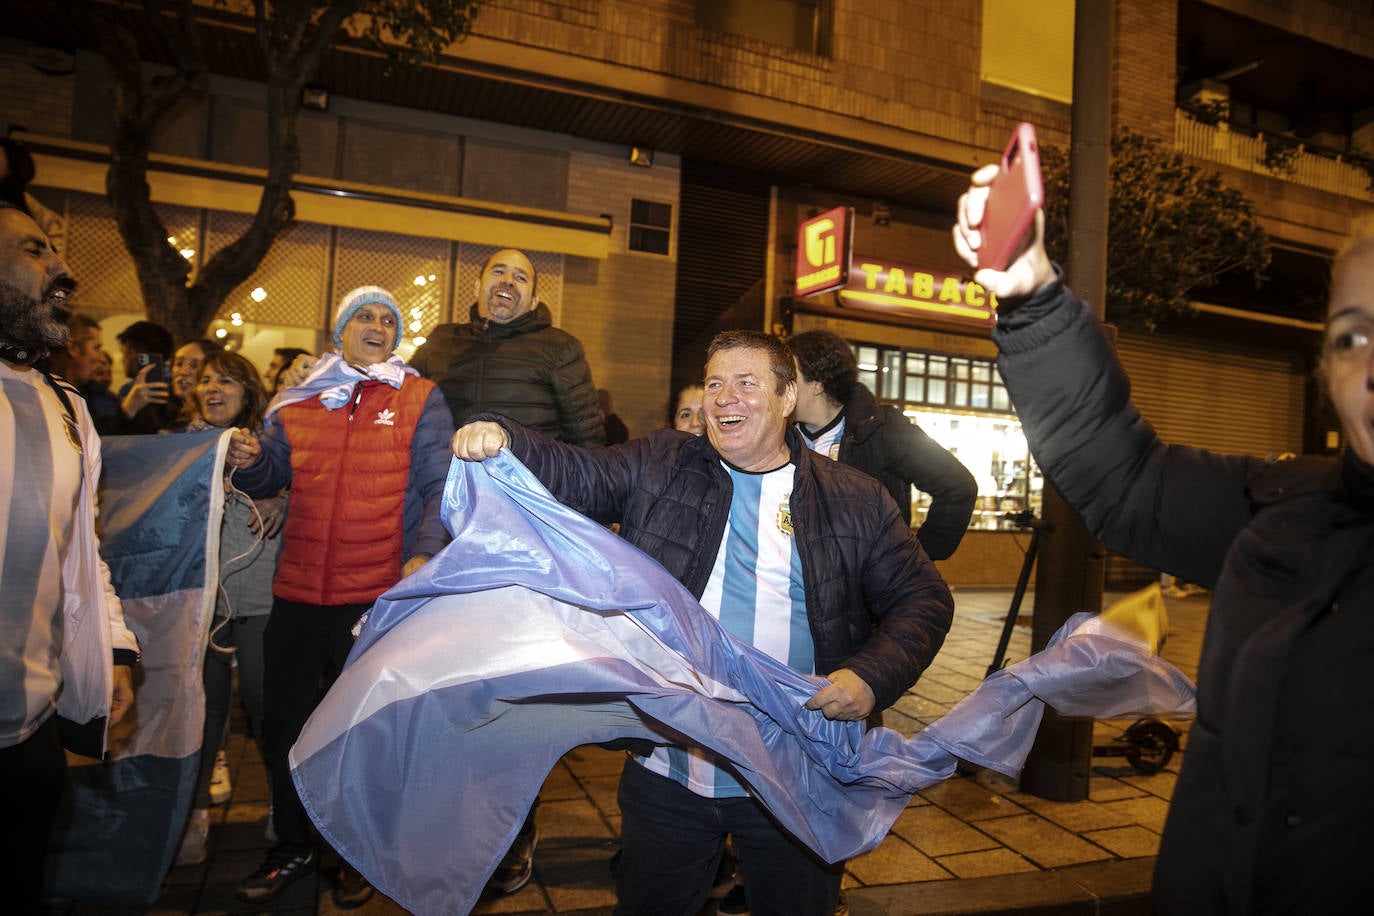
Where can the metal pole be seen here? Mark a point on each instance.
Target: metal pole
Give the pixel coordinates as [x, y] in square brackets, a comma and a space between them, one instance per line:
[1071, 566]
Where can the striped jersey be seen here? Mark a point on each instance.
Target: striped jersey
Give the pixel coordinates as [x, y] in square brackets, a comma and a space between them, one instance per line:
[41, 469]
[755, 591]
[826, 440]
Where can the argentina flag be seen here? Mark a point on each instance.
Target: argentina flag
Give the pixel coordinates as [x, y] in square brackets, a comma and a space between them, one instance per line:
[536, 631]
[161, 502]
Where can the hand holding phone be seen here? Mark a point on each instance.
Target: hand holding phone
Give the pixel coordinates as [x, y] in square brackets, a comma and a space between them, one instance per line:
[1014, 196]
[159, 371]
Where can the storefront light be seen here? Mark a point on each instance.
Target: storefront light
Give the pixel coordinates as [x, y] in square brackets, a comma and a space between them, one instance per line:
[258, 294]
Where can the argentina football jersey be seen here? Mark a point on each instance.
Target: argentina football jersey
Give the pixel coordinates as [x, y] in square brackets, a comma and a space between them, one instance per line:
[755, 591]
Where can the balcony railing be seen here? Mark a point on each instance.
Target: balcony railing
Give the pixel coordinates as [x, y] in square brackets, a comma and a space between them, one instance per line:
[1222, 143]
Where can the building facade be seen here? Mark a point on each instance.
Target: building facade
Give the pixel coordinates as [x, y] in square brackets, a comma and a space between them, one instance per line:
[657, 157]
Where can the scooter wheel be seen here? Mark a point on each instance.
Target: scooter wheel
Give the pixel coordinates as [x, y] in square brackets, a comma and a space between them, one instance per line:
[1152, 745]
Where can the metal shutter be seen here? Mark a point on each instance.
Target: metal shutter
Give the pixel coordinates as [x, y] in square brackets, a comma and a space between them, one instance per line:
[1217, 395]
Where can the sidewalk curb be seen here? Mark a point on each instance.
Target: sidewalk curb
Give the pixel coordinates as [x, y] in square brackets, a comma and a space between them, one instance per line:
[1118, 888]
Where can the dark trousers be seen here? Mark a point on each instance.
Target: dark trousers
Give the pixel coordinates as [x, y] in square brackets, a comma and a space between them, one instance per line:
[671, 841]
[244, 635]
[304, 649]
[31, 777]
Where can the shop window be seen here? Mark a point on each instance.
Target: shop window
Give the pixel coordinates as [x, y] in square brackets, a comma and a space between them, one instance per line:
[960, 402]
[651, 226]
[802, 25]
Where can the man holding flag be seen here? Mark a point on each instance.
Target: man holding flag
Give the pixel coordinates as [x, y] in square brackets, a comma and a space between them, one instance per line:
[66, 654]
[805, 559]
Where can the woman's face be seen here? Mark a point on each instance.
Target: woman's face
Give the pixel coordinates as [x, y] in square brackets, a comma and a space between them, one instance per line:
[687, 416]
[186, 363]
[1348, 354]
[219, 398]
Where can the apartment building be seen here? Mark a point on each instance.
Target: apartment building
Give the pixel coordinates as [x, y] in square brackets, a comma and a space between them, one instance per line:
[656, 157]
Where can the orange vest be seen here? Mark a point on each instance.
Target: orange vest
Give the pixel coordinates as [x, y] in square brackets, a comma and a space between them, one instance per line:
[350, 468]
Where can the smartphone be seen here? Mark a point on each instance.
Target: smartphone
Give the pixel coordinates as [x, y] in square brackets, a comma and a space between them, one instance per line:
[159, 371]
[1014, 196]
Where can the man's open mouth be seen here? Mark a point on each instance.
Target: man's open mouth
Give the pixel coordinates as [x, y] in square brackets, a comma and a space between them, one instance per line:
[727, 422]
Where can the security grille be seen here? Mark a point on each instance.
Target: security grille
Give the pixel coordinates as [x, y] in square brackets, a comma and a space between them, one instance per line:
[549, 285]
[415, 270]
[95, 252]
[292, 277]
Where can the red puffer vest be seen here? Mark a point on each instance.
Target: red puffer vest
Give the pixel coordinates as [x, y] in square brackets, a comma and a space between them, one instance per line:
[350, 468]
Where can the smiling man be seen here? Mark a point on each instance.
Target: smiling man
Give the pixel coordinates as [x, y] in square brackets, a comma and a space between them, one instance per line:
[65, 652]
[361, 445]
[806, 559]
[510, 359]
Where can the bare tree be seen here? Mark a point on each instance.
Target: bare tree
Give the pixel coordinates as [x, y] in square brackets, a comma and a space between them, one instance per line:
[293, 36]
[1173, 228]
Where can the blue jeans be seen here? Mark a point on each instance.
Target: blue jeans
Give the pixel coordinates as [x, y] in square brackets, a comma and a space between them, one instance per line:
[671, 841]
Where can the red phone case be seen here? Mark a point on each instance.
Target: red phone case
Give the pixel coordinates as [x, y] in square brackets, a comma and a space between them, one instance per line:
[1014, 196]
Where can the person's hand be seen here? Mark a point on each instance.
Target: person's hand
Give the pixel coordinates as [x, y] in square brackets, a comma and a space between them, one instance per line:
[121, 694]
[244, 449]
[143, 392]
[847, 698]
[297, 372]
[1030, 268]
[272, 513]
[479, 441]
[413, 564]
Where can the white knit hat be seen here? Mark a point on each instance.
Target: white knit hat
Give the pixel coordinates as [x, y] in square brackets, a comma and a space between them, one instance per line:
[356, 299]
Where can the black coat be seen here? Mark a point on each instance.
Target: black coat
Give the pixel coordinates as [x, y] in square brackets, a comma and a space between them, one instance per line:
[526, 369]
[1271, 810]
[874, 600]
[882, 442]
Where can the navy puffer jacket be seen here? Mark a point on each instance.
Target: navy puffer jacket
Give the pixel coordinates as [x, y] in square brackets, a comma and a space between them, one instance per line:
[874, 600]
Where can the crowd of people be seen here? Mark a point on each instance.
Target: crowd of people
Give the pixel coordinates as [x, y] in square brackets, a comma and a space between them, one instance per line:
[779, 493]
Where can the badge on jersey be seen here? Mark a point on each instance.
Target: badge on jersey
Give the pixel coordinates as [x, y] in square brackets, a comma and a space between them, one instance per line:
[73, 433]
[785, 516]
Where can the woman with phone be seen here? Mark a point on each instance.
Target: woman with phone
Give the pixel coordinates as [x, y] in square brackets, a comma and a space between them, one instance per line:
[229, 395]
[1271, 789]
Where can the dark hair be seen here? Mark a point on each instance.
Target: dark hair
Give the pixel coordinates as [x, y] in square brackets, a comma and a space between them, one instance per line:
[147, 337]
[825, 357]
[677, 398]
[241, 369]
[288, 356]
[779, 356]
[78, 322]
[20, 162]
[207, 346]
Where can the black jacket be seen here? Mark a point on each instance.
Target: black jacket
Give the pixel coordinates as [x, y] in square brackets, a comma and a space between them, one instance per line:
[875, 602]
[882, 442]
[1270, 806]
[527, 370]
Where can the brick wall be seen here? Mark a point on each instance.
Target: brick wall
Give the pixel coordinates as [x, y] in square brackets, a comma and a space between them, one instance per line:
[622, 308]
[1143, 76]
[34, 100]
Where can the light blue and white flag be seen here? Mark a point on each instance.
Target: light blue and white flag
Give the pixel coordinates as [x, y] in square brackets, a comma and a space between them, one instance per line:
[537, 630]
[161, 502]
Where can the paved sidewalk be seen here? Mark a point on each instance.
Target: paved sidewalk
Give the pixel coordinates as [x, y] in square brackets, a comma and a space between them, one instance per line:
[968, 845]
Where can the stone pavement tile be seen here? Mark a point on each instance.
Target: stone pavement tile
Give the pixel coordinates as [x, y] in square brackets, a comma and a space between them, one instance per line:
[1041, 893]
[1103, 788]
[575, 872]
[982, 864]
[936, 832]
[1159, 784]
[1147, 811]
[918, 707]
[900, 722]
[1079, 816]
[938, 693]
[1127, 842]
[574, 818]
[967, 800]
[895, 861]
[591, 760]
[1042, 841]
[529, 899]
[1121, 888]
[961, 681]
[602, 792]
[560, 784]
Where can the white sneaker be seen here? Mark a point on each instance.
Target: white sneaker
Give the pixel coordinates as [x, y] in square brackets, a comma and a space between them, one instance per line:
[192, 851]
[220, 786]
